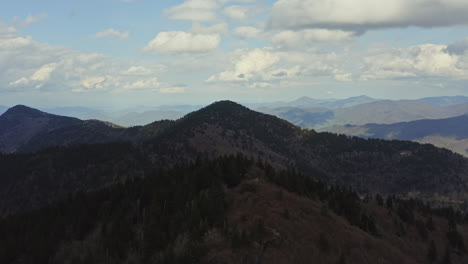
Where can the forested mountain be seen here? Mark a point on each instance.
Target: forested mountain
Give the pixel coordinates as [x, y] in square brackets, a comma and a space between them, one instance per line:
[20, 123]
[24, 129]
[225, 128]
[232, 210]
[226, 184]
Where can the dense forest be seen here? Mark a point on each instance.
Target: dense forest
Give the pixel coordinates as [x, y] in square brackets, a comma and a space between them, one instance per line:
[178, 215]
[229, 185]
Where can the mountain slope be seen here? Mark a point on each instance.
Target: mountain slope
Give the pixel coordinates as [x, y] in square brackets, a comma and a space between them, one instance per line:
[445, 100]
[232, 210]
[20, 123]
[371, 165]
[92, 132]
[225, 128]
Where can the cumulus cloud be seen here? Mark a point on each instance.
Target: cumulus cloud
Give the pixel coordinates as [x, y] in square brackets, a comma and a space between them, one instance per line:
[112, 33]
[362, 15]
[267, 65]
[37, 79]
[239, 12]
[247, 32]
[29, 65]
[177, 42]
[426, 60]
[247, 65]
[194, 10]
[292, 39]
[92, 83]
[220, 28]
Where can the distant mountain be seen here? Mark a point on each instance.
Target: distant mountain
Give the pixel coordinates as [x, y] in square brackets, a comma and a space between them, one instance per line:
[307, 102]
[380, 112]
[20, 123]
[140, 119]
[137, 116]
[450, 133]
[445, 100]
[303, 117]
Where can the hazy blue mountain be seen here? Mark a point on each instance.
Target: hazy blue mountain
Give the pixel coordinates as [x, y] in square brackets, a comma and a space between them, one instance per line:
[379, 112]
[307, 102]
[303, 117]
[349, 102]
[147, 117]
[450, 133]
[445, 100]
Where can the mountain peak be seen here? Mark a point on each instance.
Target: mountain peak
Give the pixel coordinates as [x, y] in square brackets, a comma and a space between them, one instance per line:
[23, 110]
[224, 107]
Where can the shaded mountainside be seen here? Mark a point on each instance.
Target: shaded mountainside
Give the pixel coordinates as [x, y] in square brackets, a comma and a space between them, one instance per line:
[232, 210]
[225, 128]
[433, 131]
[93, 131]
[20, 123]
[24, 129]
[366, 164]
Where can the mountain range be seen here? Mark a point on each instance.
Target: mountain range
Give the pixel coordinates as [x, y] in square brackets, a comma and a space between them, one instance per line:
[223, 184]
[226, 128]
[450, 133]
[378, 111]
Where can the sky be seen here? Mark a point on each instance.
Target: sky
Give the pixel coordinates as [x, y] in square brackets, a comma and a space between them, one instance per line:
[124, 53]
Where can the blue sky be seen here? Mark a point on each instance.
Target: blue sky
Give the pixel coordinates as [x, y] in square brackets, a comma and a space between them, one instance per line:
[114, 53]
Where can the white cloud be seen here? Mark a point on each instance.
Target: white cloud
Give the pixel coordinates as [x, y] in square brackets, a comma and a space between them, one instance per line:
[172, 90]
[144, 84]
[194, 10]
[237, 12]
[361, 15]
[242, 13]
[304, 38]
[176, 42]
[37, 79]
[91, 83]
[423, 61]
[29, 65]
[247, 32]
[247, 65]
[137, 70]
[220, 28]
[112, 33]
